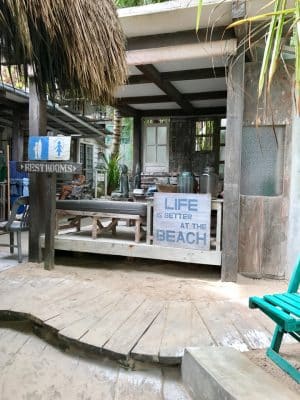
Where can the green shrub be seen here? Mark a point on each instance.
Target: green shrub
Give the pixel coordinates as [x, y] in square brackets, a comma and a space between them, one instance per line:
[113, 172]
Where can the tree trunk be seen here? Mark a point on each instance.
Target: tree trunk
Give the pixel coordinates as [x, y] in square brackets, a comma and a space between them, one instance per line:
[115, 149]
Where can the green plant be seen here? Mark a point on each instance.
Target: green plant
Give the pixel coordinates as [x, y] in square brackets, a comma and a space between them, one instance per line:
[276, 37]
[279, 26]
[113, 172]
[133, 3]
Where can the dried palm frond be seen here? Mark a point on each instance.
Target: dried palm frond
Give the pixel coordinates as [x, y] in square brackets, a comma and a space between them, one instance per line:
[75, 47]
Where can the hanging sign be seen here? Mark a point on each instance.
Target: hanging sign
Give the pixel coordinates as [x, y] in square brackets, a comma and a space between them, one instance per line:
[182, 220]
[49, 167]
[46, 148]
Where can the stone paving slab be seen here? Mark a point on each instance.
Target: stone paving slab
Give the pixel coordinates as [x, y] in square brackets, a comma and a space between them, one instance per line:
[225, 373]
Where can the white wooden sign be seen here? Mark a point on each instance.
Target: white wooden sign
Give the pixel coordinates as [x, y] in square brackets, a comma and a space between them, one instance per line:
[182, 220]
[46, 148]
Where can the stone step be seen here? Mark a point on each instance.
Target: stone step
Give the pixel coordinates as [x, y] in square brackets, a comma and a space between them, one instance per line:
[215, 373]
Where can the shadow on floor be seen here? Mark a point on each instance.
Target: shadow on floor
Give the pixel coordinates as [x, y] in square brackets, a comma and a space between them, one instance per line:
[180, 270]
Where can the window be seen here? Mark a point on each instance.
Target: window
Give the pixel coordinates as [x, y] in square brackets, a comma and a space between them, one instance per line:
[86, 159]
[204, 137]
[222, 148]
[156, 149]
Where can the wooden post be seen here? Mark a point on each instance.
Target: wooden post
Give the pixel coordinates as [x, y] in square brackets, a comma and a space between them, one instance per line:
[231, 214]
[8, 179]
[38, 182]
[77, 150]
[50, 224]
[17, 137]
[216, 144]
[137, 136]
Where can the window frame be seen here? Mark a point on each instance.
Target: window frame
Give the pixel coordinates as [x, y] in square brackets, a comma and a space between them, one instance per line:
[200, 135]
[88, 170]
[156, 166]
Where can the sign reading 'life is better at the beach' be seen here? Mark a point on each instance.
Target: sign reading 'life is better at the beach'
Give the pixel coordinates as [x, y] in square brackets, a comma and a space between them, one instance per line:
[182, 220]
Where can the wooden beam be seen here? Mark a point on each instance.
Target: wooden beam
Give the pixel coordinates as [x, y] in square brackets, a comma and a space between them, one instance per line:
[126, 111]
[9, 104]
[8, 116]
[220, 48]
[179, 38]
[232, 174]
[220, 94]
[184, 75]
[238, 9]
[203, 112]
[162, 98]
[37, 184]
[74, 119]
[191, 74]
[50, 223]
[6, 122]
[233, 151]
[69, 127]
[152, 73]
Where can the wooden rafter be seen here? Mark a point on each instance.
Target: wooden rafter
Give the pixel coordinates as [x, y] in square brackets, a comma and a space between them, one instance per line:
[7, 103]
[126, 111]
[164, 98]
[203, 112]
[179, 38]
[154, 75]
[185, 75]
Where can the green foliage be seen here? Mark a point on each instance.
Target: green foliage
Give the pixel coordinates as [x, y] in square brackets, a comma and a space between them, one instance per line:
[274, 24]
[127, 129]
[113, 172]
[133, 3]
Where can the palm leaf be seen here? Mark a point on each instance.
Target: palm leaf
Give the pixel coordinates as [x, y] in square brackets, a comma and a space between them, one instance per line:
[277, 43]
[199, 11]
[260, 17]
[279, 17]
[268, 48]
[297, 51]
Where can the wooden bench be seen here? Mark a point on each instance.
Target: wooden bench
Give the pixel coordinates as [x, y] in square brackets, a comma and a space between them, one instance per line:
[114, 211]
[284, 310]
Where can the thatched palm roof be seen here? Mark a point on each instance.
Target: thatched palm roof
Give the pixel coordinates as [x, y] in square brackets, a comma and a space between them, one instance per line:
[75, 46]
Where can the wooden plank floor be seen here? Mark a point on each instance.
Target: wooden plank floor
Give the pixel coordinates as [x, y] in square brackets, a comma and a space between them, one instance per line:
[124, 324]
[31, 368]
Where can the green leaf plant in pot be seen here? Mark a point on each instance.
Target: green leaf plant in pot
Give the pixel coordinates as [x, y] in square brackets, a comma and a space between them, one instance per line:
[113, 172]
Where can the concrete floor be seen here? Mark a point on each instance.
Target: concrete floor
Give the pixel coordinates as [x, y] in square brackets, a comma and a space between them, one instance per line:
[8, 260]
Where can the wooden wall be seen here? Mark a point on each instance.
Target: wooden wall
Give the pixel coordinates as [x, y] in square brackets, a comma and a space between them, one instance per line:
[182, 154]
[264, 220]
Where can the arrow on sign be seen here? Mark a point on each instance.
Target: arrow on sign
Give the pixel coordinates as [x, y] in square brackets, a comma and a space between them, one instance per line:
[49, 167]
